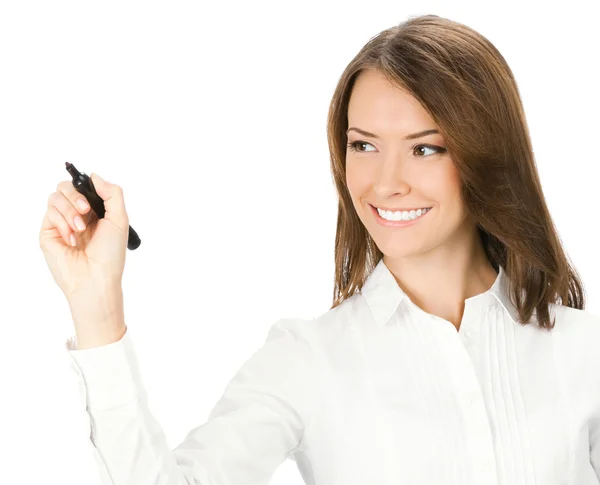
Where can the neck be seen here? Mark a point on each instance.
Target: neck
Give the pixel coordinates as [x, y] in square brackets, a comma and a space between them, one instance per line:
[440, 280]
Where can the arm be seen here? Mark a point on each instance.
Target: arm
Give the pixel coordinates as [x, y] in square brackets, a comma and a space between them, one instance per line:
[259, 419]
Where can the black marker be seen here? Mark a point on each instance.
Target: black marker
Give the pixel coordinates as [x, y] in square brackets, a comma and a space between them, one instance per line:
[84, 185]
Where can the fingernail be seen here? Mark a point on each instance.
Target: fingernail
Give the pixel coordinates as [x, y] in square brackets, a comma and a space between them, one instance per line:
[79, 223]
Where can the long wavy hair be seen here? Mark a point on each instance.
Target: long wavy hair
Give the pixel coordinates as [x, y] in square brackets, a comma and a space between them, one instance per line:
[467, 87]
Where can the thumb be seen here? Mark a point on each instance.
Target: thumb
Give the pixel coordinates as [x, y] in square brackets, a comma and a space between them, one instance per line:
[114, 203]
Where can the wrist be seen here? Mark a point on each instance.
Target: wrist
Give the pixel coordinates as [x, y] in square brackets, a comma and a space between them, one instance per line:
[98, 320]
[95, 335]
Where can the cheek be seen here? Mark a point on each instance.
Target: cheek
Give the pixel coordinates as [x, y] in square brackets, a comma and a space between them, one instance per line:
[444, 183]
[356, 181]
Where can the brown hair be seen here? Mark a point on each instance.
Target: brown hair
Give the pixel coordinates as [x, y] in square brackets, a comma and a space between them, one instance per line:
[467, 87]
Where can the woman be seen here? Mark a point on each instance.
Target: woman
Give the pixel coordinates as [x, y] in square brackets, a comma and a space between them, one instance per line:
[456, 351]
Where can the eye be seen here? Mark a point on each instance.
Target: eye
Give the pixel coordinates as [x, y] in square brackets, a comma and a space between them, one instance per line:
[435, 148]
[352, 145]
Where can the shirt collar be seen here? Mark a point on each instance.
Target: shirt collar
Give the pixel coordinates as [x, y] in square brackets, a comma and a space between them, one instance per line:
[383, 294]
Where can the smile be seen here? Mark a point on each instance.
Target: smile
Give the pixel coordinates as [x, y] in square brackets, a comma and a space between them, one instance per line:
[400, 219]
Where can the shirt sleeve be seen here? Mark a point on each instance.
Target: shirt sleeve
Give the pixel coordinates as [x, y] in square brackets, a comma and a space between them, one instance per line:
[594, 423]
[256, 424]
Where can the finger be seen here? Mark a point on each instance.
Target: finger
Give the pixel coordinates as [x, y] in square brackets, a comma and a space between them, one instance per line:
[114, 202]
[68, 211]
[54, 221]
[79, 201]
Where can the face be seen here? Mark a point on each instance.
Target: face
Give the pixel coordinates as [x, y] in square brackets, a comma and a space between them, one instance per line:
[384, 169]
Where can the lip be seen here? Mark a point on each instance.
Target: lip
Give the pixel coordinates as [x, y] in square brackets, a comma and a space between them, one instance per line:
[380, 220]
[396, 210]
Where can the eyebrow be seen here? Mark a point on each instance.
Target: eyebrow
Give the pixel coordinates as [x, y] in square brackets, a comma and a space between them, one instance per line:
[408, 137]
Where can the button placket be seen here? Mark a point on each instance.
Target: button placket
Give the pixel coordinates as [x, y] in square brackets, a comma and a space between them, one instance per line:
[478, 312]
[480, 439]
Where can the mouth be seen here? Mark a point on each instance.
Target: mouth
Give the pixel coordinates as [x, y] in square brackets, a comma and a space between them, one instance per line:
[401, 222]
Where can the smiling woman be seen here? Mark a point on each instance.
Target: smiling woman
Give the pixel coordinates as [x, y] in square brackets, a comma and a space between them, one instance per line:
[443, 84]
[452, 277]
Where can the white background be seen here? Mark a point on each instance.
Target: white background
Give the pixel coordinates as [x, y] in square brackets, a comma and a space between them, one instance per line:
[212, 118]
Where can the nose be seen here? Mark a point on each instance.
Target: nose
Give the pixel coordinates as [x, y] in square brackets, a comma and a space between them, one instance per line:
[390, 177]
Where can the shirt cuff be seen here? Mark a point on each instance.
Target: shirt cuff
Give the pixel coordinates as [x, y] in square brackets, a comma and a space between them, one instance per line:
[109, 375]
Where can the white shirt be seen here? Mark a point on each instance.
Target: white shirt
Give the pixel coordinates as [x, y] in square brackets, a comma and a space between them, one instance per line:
[374, 391]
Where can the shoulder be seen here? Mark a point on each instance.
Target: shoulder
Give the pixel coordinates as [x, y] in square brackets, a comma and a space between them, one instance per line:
[328, 328]
[578, 333]
[339, 320]
[575, 321]
[295, 330]
[311, 331]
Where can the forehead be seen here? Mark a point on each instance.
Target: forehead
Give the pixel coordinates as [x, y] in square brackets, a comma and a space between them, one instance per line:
[377, 102]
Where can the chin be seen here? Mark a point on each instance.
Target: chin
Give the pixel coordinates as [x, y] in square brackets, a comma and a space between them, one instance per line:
[396, 252]
[408, 249]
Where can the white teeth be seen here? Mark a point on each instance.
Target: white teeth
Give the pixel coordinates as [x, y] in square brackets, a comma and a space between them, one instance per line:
[402, 215]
